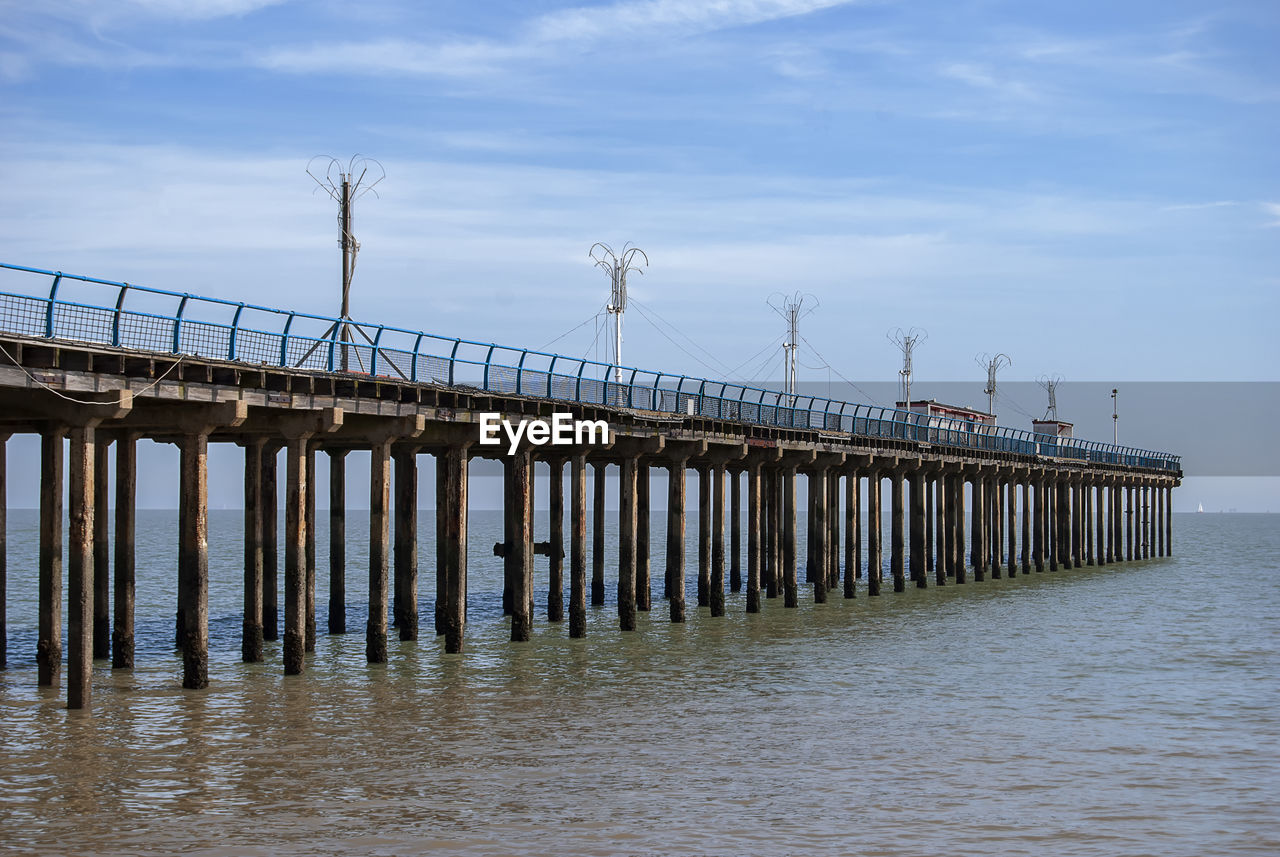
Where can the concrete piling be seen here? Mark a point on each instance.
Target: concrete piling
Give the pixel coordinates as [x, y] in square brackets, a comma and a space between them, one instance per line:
[644, 586]
[874, 531]
[578, 546]
[715, 583]
[122, 641]
[896, 529]
[597, 535]
[49, 640]
[675, 538]
[627, 544]
[405, 549]
[338, 541]
[193, 558]
[375, 647]
[251, 625]
[80, 567]
[555, 562]
[101, 548]
[452, 470]
[754, 523]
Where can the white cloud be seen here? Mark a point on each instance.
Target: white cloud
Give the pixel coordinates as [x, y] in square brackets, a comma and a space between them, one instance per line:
[543, 37]
[1273, 210]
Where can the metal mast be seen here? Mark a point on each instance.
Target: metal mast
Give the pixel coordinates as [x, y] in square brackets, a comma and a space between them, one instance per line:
[617, 266]
[993, 365]
[907, 341]
[1050, 386]
[792, 308]
[1115, 418]
[345, 187]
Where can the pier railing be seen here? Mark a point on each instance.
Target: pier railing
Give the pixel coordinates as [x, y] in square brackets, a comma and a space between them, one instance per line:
[122, 315]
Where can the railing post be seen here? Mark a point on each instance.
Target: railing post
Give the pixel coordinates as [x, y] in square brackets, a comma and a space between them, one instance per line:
[235, 327]
[48, 315]
[115, 320]
[577, 390]
[413, 366]
[453, 356]
[333, 343]
[373, 358]
[177, 324]
[520, 372]
[551, 374]
[488, 358]
[284, 343]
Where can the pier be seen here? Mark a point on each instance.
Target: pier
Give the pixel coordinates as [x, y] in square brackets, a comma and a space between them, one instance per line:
[93, 366]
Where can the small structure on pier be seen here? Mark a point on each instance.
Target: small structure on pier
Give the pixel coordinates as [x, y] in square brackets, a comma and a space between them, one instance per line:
[952, 417]
[1052, 428]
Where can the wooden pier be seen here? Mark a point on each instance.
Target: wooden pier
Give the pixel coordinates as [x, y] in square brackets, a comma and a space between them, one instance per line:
[1027, 513]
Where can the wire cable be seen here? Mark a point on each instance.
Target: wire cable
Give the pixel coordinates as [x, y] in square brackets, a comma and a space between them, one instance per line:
[873, 400]
[74, 400]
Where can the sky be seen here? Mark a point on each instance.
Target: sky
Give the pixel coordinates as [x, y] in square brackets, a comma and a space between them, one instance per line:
[1090, 188]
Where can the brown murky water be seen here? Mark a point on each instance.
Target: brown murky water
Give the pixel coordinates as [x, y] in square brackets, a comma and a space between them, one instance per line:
[1129, 710]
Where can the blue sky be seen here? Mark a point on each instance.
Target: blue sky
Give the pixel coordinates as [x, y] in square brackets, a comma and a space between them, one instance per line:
[1092, 188]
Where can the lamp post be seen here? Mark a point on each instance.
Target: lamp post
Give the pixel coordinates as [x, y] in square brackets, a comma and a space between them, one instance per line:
[1115, 419]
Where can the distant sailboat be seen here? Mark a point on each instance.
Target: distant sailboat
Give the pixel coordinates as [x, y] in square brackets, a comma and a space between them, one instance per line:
[1200, 508]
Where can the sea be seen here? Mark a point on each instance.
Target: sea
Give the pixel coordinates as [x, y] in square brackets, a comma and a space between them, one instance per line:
[1130, 709]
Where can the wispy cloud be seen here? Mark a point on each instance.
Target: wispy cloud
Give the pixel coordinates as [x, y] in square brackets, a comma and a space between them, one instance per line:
[543, 37]
[1272, 210]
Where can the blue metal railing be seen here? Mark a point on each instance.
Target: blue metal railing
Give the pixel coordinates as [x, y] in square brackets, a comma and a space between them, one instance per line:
[247, 333]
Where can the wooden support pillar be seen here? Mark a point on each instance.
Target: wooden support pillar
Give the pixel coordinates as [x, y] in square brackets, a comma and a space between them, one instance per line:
[833, 526]
[930, 554]
[555, 562]
[818, 534]
[874, 556]
[704, 535]
[1011, 521]
[1078, 526]
[309, 553]
[519, 555]
[1026, 525]
[578, 546]
[789, 586]
[405, 605]
[958, 529]
[337, 541]
[995, 499]
[919, 568]
[375, 645]
[270, 545]
[981, 512]
[597, 536]
[80, 570]
[1058, 552]
[772, 538]
[193, 558]
[897, 531]
[942, 524]
[1129, 522]
[754, 522]
[1087, 522]
[852, 533]
[675, 538]
[101, 548]
[251, 625]
[451, 471]
[1037, 523]
[644, 585]
[735, 531]
[122, 644]
[715, 583]
[627, 544]
[297, 480]
[1146, 521]
[49, 640]
[1168, 520]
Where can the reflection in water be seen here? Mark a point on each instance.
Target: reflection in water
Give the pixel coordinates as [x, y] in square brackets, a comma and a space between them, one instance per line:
[1121, 710]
